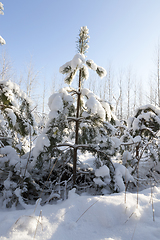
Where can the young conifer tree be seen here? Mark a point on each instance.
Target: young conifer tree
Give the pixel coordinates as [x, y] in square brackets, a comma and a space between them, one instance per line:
[16, 116]
[78, 120]
[17, 126]
[145, 125]
[71, 68]
[140, 143]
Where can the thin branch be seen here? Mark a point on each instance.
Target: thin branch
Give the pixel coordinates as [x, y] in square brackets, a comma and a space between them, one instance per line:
[75, 119]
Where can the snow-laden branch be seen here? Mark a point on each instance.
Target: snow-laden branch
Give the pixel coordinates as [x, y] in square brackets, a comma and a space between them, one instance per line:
[2, 41]
[1, 9]
[75, 119]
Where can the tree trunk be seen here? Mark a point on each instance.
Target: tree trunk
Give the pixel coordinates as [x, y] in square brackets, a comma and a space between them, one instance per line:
[77, 128]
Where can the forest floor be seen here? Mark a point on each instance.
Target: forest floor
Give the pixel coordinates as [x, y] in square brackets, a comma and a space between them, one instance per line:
[108, 217]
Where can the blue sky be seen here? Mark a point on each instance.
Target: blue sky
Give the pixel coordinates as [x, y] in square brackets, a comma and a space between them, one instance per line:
[123, 32]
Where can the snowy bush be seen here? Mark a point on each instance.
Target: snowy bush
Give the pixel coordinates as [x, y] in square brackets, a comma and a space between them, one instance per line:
[140, 147]
[17, 185]
[17, 125]
[16, 116]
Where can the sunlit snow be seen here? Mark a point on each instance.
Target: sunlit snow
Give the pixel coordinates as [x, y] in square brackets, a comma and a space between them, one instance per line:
[108, 217]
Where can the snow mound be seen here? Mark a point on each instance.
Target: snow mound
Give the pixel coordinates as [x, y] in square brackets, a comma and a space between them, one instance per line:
[28, 226]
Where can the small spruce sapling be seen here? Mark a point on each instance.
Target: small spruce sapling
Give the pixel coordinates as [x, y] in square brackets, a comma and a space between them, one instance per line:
[16, 125]
[16, 116]
[143, 129]
[78, 120]
[80, 64]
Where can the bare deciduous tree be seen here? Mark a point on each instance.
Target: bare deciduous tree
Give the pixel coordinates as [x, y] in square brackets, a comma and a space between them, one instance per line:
[5, 67]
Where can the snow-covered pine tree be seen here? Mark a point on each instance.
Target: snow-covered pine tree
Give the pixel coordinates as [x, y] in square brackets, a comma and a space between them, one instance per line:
[78, 120]
[16, 116]
[79, 63]
[141, 142]
[2, 41]
[17, 125]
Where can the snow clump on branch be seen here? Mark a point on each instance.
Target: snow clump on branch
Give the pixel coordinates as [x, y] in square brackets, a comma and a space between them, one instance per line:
[79, 62]
[56, 102]
[2, 41]
[96, 105]
[1, 9]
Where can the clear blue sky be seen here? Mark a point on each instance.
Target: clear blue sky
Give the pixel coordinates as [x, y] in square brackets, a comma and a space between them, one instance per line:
[123, 32]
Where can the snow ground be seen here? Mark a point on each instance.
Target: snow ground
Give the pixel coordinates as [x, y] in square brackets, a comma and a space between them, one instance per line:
[87, 217]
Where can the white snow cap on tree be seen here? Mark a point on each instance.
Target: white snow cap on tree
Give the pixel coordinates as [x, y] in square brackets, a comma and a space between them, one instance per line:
[121, 172]
[96, 108]
[11, 115]
[2, 41]
[102, 171]
[100, 70]
[90, 63]
[79, 62]
[75, 63]
[146, 112]
[70, 68]
[56, 104]
[96, 105]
